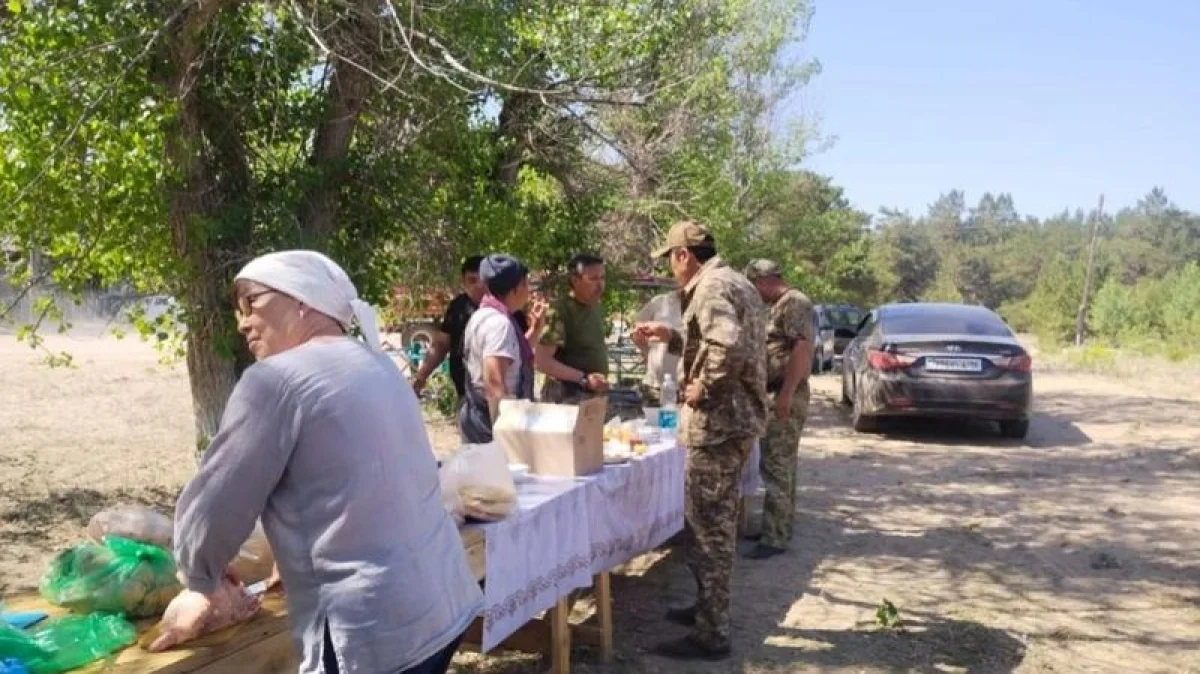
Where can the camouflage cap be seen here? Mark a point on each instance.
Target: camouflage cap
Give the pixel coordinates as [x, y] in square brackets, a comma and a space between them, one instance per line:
[684, 234]
[763, 268]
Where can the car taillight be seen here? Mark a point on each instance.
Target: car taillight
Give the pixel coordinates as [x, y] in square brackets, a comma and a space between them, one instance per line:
[1021, 363]
[883, 360]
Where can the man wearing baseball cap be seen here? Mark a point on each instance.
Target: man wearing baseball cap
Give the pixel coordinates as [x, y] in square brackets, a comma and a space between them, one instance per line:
[496, 346]
[722, 375]
[789, 356]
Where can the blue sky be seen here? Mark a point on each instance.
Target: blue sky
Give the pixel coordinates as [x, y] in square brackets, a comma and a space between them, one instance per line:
[1053, 101]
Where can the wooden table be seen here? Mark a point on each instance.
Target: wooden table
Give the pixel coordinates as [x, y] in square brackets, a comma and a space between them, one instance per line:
[262, 645]
[553, 634]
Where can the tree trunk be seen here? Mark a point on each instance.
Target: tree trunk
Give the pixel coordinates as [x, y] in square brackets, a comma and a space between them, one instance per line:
[347, 94]
[349, 87]
[211, 374]
[209, 184]
[512, 127]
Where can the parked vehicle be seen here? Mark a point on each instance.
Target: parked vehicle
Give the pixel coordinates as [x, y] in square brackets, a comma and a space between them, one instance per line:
[416, 314]
[937, 360]
[823, 341]
[833, 325]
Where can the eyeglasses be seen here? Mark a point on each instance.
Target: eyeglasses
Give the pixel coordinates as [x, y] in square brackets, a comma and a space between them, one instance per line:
[245, 303]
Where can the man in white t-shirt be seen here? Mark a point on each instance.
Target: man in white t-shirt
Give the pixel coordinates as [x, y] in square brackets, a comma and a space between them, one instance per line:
[662, 308]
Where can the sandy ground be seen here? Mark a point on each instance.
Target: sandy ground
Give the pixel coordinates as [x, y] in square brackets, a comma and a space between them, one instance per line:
[1075, 551]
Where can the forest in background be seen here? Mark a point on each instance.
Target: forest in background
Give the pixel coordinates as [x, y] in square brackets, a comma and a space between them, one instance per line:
[1146, 286]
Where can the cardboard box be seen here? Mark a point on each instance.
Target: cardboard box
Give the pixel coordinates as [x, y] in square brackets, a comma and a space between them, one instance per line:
[559, 440]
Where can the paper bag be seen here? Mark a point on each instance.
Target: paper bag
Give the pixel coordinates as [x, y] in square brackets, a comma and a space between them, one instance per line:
[558, 440]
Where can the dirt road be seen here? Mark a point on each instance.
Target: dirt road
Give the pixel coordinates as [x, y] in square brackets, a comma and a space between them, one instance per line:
[1076, 551]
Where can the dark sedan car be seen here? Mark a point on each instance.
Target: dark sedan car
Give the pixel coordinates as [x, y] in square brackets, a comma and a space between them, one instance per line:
[833, 326]
[938, 360]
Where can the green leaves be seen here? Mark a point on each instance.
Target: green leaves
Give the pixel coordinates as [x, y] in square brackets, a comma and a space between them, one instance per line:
[888, 616]
[538, 129]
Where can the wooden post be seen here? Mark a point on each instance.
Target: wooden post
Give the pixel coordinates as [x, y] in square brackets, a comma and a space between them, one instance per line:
[603, 585]
[560, 637]
[1081, 317]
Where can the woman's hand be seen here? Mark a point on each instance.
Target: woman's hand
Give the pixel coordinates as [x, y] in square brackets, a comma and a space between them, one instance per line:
[185, 617]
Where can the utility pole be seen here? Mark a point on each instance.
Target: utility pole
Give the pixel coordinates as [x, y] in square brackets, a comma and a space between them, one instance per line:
[1081, 317]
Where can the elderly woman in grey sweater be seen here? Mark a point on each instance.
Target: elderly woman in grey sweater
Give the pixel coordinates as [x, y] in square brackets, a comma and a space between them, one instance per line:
[324, 440]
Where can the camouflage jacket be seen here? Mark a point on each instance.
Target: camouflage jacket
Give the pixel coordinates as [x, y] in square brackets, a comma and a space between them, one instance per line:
[790, 320]
[722, 339]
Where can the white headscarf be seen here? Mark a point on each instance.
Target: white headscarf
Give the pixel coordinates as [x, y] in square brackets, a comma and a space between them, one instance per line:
[317, 281]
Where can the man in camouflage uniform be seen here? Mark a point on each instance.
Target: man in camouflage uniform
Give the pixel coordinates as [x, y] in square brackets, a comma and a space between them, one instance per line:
[789, 360]
[721, 341]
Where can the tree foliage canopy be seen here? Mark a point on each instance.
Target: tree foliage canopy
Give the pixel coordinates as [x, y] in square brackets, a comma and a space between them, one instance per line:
[162, 143]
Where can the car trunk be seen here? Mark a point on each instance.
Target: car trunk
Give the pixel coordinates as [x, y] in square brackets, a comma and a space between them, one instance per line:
[955, 356]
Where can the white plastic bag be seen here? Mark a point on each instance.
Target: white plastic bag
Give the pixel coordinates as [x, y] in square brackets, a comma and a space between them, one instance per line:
[137, 523]
[485, 489]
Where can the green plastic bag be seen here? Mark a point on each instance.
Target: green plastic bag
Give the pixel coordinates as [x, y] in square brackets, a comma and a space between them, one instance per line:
[121, 576]
[66, 643]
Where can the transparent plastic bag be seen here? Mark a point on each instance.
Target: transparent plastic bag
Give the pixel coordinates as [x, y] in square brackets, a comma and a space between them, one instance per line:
[255, 561]
[483, 482]
[137, 523]
[66, 643]
[448, 483]
[122, 576]
[229, 605]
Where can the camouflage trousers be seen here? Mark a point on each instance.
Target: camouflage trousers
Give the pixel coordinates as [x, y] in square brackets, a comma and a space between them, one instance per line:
[714, 474]
[777, 465]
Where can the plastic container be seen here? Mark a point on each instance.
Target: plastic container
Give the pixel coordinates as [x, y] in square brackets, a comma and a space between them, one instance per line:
[668, 415]
[519, 472]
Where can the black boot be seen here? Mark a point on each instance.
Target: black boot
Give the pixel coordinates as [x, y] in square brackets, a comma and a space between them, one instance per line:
[692, 647]
[683, 616]
[764, 551]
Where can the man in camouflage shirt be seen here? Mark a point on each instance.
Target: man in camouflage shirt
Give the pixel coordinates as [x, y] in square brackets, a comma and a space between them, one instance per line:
[789, 360]
[722, 375]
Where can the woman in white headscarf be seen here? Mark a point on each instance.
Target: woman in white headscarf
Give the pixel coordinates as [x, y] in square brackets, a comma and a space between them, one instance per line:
[324, 440]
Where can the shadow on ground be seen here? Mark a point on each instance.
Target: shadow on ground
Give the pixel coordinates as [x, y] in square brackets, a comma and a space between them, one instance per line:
[764, 594]
[1048, 428]
[28, 519]
[923, 646]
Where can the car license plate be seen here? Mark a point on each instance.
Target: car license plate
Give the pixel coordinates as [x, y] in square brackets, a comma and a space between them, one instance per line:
[954, 364]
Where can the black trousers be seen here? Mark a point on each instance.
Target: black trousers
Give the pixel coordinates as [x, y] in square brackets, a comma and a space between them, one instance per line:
[438, 663]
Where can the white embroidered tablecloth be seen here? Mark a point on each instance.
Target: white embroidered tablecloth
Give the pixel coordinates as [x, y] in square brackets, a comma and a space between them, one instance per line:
[569, 529]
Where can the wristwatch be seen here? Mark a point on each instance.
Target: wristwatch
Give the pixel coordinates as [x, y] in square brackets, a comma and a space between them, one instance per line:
[583, 381]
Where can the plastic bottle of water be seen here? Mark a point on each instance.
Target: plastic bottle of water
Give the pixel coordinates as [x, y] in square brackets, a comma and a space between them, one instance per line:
[668, 415]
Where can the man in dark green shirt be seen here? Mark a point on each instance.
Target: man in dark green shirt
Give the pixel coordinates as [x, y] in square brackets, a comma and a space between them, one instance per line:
[572, 352]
